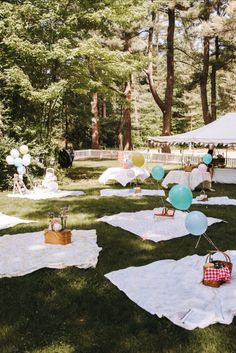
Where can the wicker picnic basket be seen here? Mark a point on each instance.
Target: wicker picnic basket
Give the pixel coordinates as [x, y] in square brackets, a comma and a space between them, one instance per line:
[188, 168]
[62, 237]
[225, 264]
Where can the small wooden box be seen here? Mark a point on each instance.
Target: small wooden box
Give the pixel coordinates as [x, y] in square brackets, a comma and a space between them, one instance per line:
[61, 237]
[137, 190]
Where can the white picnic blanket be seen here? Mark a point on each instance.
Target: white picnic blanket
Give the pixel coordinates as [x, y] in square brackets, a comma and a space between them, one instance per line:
[24, 253]
[173, 289]
[191, 179]
[46, 194]
[10, 221]
[130, 192]
[148, 226]
[221, 200]
[123, 176]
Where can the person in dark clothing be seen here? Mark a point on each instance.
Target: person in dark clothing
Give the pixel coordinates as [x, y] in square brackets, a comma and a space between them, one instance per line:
[210, 166]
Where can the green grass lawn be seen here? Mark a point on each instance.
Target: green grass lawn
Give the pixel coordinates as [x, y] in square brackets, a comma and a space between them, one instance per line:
[80, 311]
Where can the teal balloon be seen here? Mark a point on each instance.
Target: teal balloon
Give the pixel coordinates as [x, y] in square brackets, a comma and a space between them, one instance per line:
[196, 223]
[181, 197]
[207, 158]
[158, 172]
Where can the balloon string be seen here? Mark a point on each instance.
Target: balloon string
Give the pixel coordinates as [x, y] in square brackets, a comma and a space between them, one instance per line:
[198, 241]
[162, 199]
[210, 241]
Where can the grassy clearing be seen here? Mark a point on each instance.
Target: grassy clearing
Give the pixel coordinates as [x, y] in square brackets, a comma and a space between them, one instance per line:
[80, 311]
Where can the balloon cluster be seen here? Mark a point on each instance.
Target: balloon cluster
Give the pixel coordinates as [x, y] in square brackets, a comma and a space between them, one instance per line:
[19, 162]
[207, 158]
[181, 198]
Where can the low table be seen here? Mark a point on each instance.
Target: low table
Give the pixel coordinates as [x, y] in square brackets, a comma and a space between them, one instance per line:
[191, 179]
[224, 176]
[123, 176]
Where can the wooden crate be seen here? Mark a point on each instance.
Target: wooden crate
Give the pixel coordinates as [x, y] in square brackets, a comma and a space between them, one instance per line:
[61, 237]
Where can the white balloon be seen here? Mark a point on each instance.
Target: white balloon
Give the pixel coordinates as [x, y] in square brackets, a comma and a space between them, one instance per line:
[24, 149]
[18, 162]
[26, 160]
[14, 153]
[21, 170]
[10, 160]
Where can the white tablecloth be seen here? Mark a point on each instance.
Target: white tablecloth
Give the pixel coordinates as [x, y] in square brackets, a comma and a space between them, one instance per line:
[122, 175]
[190, 179]
[131, 192]
[224, 176]
[10, 221]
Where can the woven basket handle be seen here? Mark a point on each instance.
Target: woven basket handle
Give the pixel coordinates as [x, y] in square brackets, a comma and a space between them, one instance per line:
[212, 252]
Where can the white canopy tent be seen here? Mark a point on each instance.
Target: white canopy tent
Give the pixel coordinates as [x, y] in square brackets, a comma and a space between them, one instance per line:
[221, 131]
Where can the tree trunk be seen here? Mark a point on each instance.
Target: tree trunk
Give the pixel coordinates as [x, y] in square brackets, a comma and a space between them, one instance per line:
[95, 127]
[104, 108]
[167, 115]
[124, 133]
[203, 81]
[120, 131]
[166, 104]
[213, 81]
[127, 117]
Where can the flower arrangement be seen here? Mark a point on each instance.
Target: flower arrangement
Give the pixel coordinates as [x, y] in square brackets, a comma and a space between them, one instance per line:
[57, 221]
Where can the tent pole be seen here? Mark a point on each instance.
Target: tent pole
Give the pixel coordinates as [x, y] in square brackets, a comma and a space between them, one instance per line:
[226, 155]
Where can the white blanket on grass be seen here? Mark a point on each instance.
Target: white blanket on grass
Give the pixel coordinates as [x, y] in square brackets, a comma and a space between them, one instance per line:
[173, 289]
[148, 226]
[130, 192]
[24, 253]
[221, 200]
[10, 221]
[43, 195]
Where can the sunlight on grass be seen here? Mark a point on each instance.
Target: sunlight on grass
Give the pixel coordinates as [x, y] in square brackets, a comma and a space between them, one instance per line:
[80, 311]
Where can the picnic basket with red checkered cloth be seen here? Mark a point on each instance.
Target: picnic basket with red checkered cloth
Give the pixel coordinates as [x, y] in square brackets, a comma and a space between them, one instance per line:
[214, 277]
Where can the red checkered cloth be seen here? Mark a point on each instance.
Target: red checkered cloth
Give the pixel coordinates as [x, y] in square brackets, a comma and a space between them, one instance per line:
[217, 274]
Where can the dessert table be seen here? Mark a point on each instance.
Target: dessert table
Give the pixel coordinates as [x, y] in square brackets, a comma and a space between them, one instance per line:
[123, 176]
[191, 179]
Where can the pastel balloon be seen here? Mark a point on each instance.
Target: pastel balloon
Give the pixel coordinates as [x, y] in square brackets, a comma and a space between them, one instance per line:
[181, 197]
[21, 170]
[207, 158]
[130, 174]
[202, 167]
[129, 163]
[158, 172]
[14, 153]
[196, 223]
[138, 159]
[24, 149]
[18, 162]
[26, 160]
[10, 160]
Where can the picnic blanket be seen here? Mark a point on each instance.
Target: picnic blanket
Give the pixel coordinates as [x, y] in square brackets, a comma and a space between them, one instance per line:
[10, 221]
[148, 226]
[221, 200]
[131, 192]
[173, 289]
[24, 253]
[46, 194]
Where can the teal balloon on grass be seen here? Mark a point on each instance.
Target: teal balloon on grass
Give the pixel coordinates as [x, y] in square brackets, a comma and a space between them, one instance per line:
[196, 223]
[181, 197]
[158, 172]
[207, 158]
